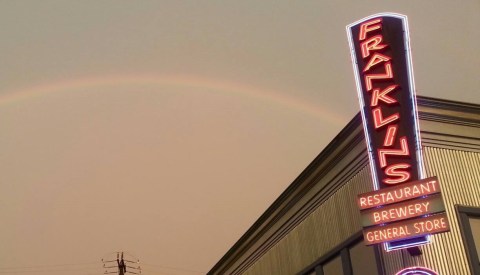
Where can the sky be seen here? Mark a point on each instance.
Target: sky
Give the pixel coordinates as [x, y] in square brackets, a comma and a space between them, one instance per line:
[166, 128]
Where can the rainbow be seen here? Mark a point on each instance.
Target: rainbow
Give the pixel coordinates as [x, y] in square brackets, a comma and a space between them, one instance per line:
[186, 81]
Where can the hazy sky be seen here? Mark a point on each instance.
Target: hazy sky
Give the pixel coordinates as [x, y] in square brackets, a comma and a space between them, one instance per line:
[166, 128]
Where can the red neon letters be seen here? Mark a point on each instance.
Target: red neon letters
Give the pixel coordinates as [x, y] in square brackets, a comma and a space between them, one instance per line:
[377, 70]
[407, 229]
[402, 210]
[399, 193]
[383, 96]
[368, 27]
[371, 44]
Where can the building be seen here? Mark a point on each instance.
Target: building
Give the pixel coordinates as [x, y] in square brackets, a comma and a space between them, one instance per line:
[314, 227]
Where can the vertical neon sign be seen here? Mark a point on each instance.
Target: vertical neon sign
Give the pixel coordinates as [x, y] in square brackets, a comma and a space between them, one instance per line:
[380, 50]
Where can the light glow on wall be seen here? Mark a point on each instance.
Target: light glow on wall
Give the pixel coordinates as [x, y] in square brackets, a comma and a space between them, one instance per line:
[417, 270]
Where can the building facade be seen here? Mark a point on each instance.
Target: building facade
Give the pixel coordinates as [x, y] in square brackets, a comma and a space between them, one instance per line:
[314, 226]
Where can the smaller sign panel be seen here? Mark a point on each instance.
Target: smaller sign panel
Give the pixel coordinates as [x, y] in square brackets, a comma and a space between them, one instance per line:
[403, 210]
[406, 229]
[402, 192]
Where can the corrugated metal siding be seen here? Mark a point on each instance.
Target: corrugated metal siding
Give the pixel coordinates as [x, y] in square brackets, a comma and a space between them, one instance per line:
[338, 218]
[397, 260]
[290, 236]
[459, 175]
[330, 224]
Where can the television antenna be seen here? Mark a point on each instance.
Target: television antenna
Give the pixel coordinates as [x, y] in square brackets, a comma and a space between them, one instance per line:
[122, 265]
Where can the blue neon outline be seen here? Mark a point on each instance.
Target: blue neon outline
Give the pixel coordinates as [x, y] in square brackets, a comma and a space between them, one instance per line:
[413, 98]
[416, 270]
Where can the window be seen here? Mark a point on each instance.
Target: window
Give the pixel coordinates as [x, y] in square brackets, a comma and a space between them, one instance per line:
[363, 261]
[475, 226]
[333, 267]
[470, 227]
[352, 257]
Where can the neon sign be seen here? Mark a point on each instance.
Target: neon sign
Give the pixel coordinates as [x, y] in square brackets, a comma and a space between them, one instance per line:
[406, 229]
[380, 51]
[383, 72]
[416, 271]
